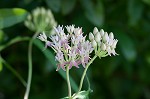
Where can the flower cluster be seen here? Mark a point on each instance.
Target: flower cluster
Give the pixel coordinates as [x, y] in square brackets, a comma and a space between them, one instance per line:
[103, 43]
[72, 48]
[40, 20]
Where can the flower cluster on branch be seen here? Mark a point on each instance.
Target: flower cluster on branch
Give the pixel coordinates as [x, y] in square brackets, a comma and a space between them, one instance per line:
[72, 48]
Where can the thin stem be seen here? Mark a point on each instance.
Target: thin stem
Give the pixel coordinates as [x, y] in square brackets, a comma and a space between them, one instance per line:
[30, 66]
[14, 71]
[68, 82]
[15, 40]
[84, 73]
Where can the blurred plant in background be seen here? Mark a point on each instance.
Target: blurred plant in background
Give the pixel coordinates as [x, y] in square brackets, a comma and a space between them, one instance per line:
[122, 77]
[41, 20]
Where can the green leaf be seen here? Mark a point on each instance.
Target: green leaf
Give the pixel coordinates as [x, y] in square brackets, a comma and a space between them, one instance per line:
[9, 17]
[127, 46]
[54, 5]
[135, 9]
[82, 95]
[94, 13]
[67, 6]
[1, 36]
[50, 56]
[1, 65]
[146, 1]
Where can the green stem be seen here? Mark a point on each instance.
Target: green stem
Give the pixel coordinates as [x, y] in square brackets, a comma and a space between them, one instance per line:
[14, 72]
[15, 40]
[68, 82]
[84, 73]
[30, 66]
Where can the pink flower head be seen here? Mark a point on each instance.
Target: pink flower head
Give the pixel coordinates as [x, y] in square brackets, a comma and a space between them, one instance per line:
[72, 48]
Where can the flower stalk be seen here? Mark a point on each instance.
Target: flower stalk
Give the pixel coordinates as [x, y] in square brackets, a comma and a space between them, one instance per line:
[72, 49]
[84, 73]
[30, 66]
[68, 82]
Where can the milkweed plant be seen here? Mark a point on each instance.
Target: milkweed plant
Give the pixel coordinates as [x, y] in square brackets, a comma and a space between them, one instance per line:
[72, 49]
[71, 46]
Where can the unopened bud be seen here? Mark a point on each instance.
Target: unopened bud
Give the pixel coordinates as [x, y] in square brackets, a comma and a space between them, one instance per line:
[43, 11]
[29, 17]
[91, 36]
[103, 47]
[101, 32]
[111, 35]
[97, 37]
[95, 30]
[94, 44]
[105, 37]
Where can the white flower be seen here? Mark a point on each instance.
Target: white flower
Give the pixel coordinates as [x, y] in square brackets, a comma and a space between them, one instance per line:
[70, 28]
[43, 37]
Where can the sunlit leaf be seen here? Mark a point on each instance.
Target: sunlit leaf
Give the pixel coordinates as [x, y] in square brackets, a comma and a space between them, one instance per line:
[67, 6]
[1, 65]
[94, 13]
[9, 17]
[135, 9]
[146, 1]
[82, 95]
[54, 5]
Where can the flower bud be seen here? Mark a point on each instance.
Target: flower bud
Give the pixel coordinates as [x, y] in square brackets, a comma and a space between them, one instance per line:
[105, 37]
[101, 32]
[29, 17]
[91, 36]
[94, 44]
[43, 11]
[111, 35]
[95, 30]
[103, 47]
[97, 37]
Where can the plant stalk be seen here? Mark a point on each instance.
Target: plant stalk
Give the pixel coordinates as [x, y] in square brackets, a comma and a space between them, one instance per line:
[30, 66]
[84, 73]
[68, 82]
[13, 71]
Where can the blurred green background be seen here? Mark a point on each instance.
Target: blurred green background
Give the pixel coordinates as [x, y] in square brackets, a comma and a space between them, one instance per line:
[126, 76]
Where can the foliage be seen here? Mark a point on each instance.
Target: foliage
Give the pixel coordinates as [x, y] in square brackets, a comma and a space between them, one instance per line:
[123, 77]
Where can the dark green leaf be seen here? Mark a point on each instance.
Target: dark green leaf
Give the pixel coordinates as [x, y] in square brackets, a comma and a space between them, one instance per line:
[94, 13]
[146, 1]
[54, 5]
[9, 17]
[67, 6]
[127, 46]
[50, 56]
[135, 9]
[1, 36]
